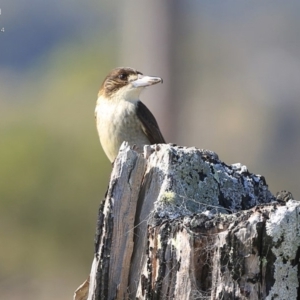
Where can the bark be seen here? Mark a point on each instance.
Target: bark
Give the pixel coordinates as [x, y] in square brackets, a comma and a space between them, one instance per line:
[178, 223]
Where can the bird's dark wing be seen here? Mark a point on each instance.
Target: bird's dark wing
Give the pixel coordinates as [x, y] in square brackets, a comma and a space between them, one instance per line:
[149, 124]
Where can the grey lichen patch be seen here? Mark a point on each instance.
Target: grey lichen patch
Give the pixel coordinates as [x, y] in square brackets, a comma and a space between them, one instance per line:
[284, 228]
[230, 186]
[193, 181]
[286, 281]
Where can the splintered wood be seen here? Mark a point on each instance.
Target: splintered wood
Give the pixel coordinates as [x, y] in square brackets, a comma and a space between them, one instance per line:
[178, 223]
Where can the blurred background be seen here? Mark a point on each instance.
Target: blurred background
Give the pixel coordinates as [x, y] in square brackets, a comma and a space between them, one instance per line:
[231, 73]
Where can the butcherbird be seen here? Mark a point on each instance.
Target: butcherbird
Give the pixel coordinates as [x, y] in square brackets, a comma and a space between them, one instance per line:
[121, 116]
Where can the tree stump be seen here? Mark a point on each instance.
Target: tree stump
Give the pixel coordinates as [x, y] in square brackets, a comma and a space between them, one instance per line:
[178, 223]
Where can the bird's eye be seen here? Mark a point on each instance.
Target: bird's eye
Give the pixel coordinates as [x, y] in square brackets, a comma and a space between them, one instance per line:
[122, 76]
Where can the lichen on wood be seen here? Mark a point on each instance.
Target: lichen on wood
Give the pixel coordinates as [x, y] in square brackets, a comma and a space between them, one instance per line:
[194, 180]
[178, 223]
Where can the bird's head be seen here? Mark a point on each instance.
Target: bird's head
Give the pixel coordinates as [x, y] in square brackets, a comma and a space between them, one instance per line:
[126, 83]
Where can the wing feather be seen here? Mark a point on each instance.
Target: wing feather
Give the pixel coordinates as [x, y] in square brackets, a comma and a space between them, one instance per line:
[149, 124]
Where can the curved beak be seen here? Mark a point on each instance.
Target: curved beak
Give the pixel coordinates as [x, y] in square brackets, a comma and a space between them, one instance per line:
[143, 81]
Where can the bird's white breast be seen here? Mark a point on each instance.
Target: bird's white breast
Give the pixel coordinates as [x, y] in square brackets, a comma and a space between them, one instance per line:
[117, 122]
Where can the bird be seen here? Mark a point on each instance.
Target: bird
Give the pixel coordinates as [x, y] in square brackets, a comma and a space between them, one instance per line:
[121, 116]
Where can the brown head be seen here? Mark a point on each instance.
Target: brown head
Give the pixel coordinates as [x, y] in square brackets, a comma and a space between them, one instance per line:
[127, 80]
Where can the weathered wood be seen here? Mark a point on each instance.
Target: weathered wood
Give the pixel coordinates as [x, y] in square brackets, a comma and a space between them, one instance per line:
[249, 255]
[115, 229]
[177, 223]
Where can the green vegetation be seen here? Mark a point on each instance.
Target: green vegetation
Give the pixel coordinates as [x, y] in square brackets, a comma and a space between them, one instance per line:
[53, 171]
